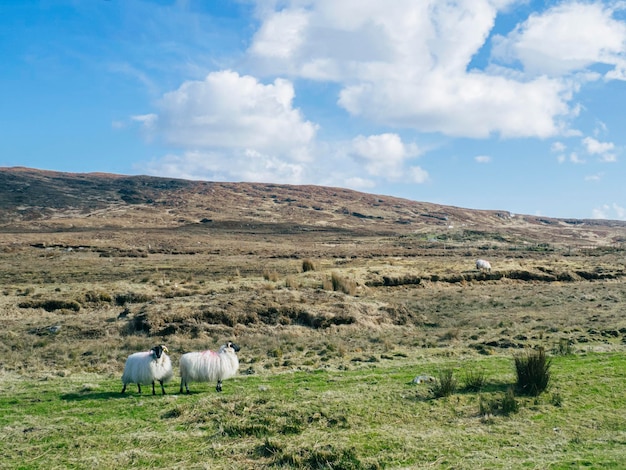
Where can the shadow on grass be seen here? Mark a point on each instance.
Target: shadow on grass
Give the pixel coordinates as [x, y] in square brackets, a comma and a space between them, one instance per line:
[424, 391]
[488, 387]
[93, 395]
[89, 395]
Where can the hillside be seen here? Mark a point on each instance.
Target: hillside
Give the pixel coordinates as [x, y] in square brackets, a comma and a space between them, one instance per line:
[44, 201]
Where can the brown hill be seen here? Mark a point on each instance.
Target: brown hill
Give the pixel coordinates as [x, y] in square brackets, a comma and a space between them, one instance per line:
[36, 201]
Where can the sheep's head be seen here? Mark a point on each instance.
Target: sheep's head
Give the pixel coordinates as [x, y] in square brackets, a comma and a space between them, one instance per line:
[230, 344]
[159, 350]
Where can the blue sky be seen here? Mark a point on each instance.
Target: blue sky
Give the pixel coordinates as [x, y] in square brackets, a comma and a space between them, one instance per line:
[485, 104]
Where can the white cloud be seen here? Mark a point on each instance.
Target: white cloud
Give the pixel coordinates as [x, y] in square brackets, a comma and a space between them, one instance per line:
[281, 35]
[384, 156]
[405, 63]
[609, 211]
[595, 147]
[482, 159]
[418, 175]
[603, 149]
[558, 147]
[575, 158]
[231, 165]
[227, 110]
[595, 178]
[359, 183]
[566, 38]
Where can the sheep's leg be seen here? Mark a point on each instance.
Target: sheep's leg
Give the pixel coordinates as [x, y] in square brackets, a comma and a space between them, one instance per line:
[124, 388]
[162, 387]
[153, 392]
[219, 386]
[139, 388]
[182, 381]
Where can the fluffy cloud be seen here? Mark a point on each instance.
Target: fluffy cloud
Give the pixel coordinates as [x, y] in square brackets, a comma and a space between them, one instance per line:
[384, 156]
[568, 37]
[227, 110]
[232, 127]
[482, 159]
[603, 149]
[610, 211]
[405, 63]
[235, 165]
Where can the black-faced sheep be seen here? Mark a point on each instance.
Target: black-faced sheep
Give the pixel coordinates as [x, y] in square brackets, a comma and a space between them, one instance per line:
[148, 367]
[209, 366]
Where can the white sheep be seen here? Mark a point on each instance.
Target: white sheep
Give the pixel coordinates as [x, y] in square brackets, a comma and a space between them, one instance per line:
[147, 367]
[483, 265]
[209, 366]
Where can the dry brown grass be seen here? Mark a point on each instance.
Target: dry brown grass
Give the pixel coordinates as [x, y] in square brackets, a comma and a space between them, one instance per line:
[194, 301]
[135, 274]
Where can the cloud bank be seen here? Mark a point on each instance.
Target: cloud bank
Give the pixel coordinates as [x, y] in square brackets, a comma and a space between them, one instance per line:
[407, 69]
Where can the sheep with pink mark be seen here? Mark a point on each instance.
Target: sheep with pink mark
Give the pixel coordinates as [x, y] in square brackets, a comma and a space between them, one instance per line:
[148, 367]
[209, 366]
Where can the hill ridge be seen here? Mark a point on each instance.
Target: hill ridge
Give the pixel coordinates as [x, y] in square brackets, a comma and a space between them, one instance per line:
[35, 199]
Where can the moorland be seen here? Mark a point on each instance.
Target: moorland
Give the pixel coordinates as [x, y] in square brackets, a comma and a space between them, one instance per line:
[338, 299]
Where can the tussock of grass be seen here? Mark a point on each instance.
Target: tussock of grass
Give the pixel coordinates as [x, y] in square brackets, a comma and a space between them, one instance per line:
[533, 372]
[474, 380]
[341, 284]
[445, 384]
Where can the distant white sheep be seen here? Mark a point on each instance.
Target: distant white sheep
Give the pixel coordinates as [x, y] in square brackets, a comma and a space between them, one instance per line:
[483, 265]
[147, 367]
[209, 366]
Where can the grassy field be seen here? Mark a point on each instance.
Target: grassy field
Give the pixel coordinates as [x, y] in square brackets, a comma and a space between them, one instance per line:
[333, 330]
[369, 417]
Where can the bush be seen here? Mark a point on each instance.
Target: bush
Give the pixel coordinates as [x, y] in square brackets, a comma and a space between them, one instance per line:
[307, 265]
[445, 385]
[509, 403]
[533, 372]
[341, 284]
[563, 347]
[474, 380]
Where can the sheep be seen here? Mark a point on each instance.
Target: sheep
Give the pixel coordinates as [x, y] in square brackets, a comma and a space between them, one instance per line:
[208, 366]
[483, 265]
[147, 367]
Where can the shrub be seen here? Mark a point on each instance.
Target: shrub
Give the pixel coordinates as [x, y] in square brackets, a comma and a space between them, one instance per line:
[563, 347]
[342, 284]
[307, 265]
[509, 402]
[445, 385]
[474, 380]
[533, 372]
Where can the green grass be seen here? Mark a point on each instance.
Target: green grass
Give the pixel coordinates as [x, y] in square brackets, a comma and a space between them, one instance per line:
[369, 418]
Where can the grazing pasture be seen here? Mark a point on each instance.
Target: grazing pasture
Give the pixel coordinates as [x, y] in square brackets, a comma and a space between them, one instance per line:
[336, 316]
